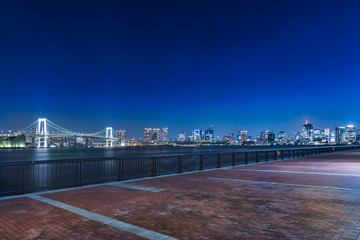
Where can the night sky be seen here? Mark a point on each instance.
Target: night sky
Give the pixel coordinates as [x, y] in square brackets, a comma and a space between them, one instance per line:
[185, 65]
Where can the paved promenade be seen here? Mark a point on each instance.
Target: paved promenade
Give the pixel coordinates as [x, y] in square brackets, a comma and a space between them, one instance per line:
[306, 198]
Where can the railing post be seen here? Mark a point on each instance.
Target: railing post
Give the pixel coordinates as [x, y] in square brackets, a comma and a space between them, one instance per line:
[79, 173]
[20, 179]
[257, 156]
[201, 163]
[275, 155]
[180, 164]
[218, 161]
[246, 158]
[153, 166]
[266, 156]
[233, 163]
[120, 169]
[282, 154]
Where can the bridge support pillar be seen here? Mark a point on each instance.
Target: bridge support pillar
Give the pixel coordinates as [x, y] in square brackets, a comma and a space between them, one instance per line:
[109, 137]
[41, 132]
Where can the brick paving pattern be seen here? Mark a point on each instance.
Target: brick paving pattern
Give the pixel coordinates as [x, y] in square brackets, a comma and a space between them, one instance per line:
[25, 218]
[198, 207]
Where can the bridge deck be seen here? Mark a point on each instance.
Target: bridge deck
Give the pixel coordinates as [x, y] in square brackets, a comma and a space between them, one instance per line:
[309, 198]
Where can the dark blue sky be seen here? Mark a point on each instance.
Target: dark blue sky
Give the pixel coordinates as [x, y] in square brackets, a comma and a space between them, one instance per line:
[253, 65]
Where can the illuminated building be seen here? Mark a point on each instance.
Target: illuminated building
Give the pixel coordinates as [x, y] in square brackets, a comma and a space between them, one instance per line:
[267, 137]
[332, 136]
[350, 133]
[358, 135]
[17, 141]
[147, 134]
[182, 136]
[238, 135]
[209, 134]
[164, 134]
[281, 137]
[327, 133]
[156, 136]
[120, 134]
[197, 135]
[308, 132]
[231, 137]
[340, 135]
[244, 136]
[317, 134]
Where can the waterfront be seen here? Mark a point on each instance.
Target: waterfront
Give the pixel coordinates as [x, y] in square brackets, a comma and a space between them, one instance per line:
[44, 154]
[308, 198]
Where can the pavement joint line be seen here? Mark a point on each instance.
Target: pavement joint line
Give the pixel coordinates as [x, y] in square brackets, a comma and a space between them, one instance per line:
[137, 187]
[320, 162]
[280, 171]
[147, 178]
[142, 232]
[287, 184]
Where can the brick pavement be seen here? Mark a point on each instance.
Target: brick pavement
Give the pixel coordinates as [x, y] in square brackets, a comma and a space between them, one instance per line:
[198, 207]
[25, 218]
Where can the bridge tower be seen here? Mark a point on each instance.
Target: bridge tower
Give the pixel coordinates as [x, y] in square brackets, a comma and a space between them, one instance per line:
[109, 137]
[42, 133]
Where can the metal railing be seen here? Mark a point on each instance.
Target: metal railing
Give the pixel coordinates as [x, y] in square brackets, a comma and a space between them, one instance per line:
[26, 177]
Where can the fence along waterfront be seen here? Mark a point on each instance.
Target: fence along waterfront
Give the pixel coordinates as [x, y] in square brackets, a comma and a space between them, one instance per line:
[26, 177]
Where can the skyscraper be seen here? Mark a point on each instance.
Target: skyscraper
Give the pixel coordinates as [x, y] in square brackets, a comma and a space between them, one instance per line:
[120, 134]
[231, 137]
[340, 135]
[332, 136]
[244, 136]
[164, 134]
[308, 132]
[281, 137]
[350, 133]
[327, 134]
[197, 135]
[156, 136]
[182, 136]
[147, 134]
[209, 134]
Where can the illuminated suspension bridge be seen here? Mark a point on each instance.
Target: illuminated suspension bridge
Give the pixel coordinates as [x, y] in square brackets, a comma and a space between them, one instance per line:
[43, 129]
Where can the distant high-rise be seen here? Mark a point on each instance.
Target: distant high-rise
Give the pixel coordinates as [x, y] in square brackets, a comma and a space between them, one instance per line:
[231, 137]
[281, 137]
[332, 136]
[358, 135]
[164, 134]
[120, 134]
[308, 132]
[147, 134]
[244, 136]
[197, 135]
[267, 137]
[182, 136]
[317, 134]
[327, 133]
[156, 136]
[209, 134]
[350, 133]
[238, 135]
[340, 135]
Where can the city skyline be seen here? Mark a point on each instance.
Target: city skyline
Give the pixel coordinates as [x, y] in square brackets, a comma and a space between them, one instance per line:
[182, 65]
[121, 133]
